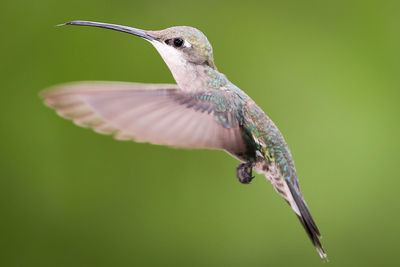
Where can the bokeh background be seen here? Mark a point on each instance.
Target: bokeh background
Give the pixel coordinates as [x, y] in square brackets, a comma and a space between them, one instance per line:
[327, 72]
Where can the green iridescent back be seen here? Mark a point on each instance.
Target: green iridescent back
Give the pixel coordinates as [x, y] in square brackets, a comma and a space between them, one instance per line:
[259, 131]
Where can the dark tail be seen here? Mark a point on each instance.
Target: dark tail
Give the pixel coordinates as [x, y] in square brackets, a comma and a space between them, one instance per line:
[307, 221]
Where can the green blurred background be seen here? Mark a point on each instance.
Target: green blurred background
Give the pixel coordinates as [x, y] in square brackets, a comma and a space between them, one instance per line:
[327, 72]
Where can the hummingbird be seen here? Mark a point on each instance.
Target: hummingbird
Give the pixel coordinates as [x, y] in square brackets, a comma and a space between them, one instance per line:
[203, 110]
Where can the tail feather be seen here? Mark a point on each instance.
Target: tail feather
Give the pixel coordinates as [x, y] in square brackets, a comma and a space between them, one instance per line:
[307, 221]
[288, 188]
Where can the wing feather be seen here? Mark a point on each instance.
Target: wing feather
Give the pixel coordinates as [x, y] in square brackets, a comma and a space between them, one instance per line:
[161, 114]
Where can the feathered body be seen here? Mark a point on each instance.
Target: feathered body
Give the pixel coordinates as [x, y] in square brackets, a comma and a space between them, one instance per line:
[204, 110]
[265, 145]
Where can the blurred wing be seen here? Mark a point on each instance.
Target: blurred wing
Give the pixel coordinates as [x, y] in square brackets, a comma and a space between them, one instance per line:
[161, 114]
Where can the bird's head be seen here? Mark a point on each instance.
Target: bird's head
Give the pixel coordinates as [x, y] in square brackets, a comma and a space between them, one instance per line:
[177, 45]
[186, 42]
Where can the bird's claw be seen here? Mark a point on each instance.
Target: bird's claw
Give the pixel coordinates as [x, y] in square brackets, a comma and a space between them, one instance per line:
[244, 172]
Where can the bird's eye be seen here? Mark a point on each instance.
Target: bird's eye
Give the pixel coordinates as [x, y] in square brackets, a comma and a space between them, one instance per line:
[178, 42]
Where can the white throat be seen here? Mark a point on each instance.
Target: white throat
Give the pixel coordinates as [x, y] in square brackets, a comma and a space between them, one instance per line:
[186, 74]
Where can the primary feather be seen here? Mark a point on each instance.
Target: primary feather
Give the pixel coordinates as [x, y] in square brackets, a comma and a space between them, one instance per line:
[156, 113]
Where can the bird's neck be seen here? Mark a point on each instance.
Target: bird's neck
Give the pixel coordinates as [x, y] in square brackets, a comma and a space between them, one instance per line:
[190, 76]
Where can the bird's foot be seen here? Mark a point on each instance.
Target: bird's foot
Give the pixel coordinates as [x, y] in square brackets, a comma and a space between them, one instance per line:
[244, 172]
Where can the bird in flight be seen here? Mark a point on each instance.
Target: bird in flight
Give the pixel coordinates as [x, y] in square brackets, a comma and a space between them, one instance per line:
[204, 110]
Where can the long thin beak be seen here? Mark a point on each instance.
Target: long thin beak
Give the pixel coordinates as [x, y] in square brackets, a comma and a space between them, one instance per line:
[130, 30]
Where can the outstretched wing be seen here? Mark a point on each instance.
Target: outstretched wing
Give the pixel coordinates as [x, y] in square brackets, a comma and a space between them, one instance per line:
[161, 114]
